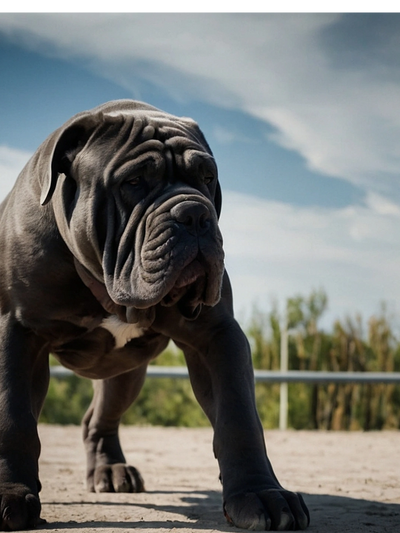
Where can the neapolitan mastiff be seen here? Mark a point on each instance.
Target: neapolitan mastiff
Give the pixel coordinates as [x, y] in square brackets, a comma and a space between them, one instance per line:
[110, 247]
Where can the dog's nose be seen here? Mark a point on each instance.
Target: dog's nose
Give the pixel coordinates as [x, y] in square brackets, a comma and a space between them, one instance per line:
[195, 216]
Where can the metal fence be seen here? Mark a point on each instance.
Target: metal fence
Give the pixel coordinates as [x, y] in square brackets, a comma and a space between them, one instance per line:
[284, 377]
[267, 376]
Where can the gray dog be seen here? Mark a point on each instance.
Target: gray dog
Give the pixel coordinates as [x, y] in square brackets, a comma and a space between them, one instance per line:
[110, 247]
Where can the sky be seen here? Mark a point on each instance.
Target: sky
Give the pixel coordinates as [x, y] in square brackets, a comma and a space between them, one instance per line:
[302, 113]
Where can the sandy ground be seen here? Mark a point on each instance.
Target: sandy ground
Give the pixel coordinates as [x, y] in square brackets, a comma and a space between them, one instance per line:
[350, 481]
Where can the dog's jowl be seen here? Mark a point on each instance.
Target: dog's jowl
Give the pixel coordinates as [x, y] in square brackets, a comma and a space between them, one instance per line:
[110, 247]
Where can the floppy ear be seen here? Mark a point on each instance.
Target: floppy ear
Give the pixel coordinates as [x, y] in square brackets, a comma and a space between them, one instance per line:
[56, 154]
[218, 199]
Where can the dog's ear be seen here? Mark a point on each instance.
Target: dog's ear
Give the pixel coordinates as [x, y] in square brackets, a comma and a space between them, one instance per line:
[56, 154]
[218, 199]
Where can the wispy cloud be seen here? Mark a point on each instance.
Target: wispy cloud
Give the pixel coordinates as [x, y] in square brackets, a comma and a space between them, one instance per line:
[275, 250]
[226, 135]
[12, 162]
[342, 115]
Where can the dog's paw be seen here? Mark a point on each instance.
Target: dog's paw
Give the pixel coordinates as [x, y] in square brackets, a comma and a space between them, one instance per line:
[268, 510]
[118, 477]
[19, 507]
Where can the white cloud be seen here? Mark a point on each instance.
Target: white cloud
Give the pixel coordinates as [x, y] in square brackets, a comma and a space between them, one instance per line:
[344, 121]
[12, 161]
[382, 205]
[276, 250]
[225, 135]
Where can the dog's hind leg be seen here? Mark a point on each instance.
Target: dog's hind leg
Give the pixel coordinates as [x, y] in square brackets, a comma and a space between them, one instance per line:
[107, 470]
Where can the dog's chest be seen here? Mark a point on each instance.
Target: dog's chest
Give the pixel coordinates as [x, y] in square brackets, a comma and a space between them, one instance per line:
[121, 331]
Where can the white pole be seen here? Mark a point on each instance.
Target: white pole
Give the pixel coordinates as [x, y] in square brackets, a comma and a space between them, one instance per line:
[283, 403]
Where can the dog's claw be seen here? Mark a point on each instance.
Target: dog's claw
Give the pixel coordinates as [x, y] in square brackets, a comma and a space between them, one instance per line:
[19, 508]
[118, 478]
[276, 510]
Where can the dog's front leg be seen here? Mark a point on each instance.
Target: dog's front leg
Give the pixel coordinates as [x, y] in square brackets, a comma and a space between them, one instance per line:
[222, 377]
[19, 441]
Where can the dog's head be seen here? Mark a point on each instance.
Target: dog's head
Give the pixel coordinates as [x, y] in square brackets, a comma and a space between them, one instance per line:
[136, 198]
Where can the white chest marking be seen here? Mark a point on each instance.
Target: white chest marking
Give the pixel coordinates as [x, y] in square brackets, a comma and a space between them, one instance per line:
[121, 331]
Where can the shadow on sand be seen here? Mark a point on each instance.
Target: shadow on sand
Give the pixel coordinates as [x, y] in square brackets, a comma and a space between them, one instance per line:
[202, 510]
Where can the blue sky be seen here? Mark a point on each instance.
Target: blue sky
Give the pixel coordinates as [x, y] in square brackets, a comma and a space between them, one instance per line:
[302, 112]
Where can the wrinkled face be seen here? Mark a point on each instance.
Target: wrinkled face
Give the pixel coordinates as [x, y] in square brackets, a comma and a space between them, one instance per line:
[137, 211]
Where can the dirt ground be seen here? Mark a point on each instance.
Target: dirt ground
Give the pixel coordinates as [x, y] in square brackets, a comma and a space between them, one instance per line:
[350, 481]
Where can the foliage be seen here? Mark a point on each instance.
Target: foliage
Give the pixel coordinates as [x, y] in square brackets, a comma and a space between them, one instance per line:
[167, 401]
[171, 402]
[346, 348]
[66, 401]
[164, 401]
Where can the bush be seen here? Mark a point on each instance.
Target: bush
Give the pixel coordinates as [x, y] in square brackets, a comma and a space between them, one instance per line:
[67, 400]
[163, 401]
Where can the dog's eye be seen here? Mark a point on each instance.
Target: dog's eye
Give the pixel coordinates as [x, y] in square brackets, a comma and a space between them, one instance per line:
[136, 181]
[208, 179]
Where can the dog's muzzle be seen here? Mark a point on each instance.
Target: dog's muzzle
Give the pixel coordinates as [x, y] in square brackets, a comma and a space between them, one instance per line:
[173, 256]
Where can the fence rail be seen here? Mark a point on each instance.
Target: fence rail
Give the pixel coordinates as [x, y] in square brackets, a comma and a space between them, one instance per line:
[283, 377]
[269, 376]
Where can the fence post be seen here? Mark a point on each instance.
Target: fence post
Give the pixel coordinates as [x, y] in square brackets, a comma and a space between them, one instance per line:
[283, 399]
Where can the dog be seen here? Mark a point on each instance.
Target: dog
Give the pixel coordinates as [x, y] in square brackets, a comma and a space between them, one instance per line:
[110, 248]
